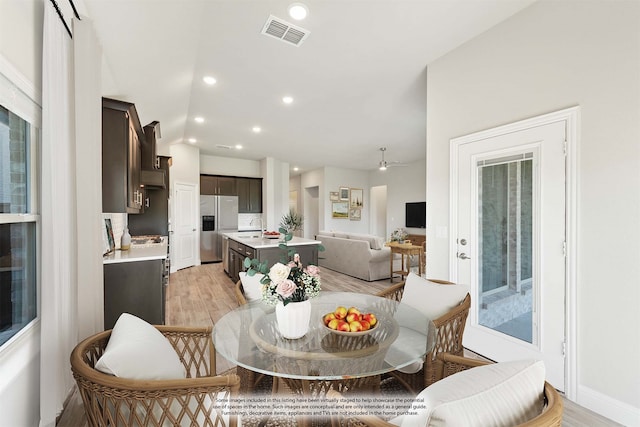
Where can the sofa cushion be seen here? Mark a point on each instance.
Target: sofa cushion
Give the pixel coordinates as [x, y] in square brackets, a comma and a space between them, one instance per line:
[251, 285]
[432, 299]
[137, 350]
[375, 242]
[340, 235]
[499, 394]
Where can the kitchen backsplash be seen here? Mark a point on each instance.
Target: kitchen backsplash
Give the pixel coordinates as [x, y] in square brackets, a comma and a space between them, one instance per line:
[118, 223]
[244, 221]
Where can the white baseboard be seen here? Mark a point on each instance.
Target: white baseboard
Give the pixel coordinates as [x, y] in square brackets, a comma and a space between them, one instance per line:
[606, 406]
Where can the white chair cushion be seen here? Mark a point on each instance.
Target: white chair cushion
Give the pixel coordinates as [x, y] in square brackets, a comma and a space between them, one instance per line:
[432, 299]
[137, 350]
[252, 286]
[499, 394]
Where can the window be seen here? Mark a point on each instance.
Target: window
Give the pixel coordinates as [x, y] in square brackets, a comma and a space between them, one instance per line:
[18, 224]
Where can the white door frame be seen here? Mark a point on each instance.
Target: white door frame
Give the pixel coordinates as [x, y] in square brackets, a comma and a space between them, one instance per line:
[571, 117]
[195, 215]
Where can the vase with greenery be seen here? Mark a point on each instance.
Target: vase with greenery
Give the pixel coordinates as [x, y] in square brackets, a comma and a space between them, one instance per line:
[292, 221]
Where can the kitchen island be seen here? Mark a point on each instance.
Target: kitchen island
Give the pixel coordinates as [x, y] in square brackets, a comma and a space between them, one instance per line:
[252, 245]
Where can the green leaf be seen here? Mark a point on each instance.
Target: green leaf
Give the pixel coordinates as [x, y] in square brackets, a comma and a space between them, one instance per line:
[320, 248]
[247, 262]
[282, 230]
[288, 237]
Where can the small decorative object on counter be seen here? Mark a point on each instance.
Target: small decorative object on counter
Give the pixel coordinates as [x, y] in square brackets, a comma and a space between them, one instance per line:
[125, 240]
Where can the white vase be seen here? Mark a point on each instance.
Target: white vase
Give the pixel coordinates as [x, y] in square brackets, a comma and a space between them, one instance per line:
[293, 318]
[125, 240]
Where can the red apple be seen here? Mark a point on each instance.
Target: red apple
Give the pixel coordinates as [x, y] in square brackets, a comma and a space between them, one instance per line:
[328, 317]
[365, 325]
[343, 326]
[371, 318]
[353, 310]
[334, 323]
[352, 316]
[340, 312]
[355, 326]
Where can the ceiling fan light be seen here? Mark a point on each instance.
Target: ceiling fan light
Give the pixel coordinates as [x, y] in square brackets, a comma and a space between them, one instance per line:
[383, 167]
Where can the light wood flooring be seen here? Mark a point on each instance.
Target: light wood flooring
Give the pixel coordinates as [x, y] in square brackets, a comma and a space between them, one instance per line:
[201, 295]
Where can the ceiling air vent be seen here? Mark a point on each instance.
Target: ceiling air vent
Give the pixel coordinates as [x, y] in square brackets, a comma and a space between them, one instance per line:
[225, 147]
[281, 29]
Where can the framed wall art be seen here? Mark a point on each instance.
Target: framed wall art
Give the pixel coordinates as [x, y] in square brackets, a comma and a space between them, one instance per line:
[110, 245]
[344, 193]
[355, 214]
[340, 210]
[334, 196]
[356, 198]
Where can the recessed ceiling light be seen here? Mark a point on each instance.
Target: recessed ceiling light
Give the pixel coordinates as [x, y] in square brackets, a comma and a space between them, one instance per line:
[192, 140]
[287, 99]
[209, 80]
[238, 147]
[256, 129]
[199, 119]
[295, 169]
[298, 11]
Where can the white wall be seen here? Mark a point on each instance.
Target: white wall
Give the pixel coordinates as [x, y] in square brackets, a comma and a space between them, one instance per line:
[404, 184]
[215, 165]
[312, 185]
[548, 57]
[21, 50]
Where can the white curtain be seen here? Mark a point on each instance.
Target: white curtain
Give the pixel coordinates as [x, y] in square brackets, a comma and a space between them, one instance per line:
[58, 283]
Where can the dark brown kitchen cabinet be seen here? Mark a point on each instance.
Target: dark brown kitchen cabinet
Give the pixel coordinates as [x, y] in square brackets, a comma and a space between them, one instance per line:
[217, 185]
[249, 195]
[121, 158]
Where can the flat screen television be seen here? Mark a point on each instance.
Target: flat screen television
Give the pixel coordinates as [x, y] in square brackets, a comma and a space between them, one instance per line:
[415, 215]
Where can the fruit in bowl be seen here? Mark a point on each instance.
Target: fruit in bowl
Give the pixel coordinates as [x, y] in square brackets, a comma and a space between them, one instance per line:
[350, 320]
[271, 234]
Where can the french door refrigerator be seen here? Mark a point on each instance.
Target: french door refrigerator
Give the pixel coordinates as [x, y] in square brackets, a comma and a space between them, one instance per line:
[219, 215]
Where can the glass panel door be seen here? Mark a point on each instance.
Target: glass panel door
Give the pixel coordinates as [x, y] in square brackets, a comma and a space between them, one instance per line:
[505, 224]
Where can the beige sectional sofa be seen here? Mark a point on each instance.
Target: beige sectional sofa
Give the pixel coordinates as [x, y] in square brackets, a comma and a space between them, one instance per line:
[359, 255]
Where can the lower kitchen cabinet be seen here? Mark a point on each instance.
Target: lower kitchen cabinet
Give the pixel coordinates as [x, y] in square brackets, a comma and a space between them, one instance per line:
[136, 288]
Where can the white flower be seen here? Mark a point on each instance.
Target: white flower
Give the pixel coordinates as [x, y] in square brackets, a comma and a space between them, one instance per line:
[279, 272]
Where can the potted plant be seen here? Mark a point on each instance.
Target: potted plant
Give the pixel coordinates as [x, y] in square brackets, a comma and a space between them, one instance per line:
[292, 221]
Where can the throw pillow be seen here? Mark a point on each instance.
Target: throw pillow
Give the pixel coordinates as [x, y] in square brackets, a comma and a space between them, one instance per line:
[432, 299]
[500, 394]
[137, 350]
[251, 285]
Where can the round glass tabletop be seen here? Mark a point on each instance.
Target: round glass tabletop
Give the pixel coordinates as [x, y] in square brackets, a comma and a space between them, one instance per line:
[248, 336]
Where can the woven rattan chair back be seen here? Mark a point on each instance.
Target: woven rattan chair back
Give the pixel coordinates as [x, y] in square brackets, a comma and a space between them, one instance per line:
[449, 331]
[195, 400]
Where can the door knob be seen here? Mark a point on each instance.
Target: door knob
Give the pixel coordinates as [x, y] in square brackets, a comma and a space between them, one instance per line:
[462, 255]
[463, 242]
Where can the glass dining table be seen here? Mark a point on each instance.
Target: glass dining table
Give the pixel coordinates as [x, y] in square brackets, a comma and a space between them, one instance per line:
[322, 359]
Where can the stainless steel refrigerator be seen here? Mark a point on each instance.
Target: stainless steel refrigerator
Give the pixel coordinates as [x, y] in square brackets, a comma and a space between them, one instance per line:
[219, 214]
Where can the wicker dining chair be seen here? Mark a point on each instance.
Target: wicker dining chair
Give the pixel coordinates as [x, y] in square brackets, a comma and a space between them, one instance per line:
[550, 414]
[115, 401]
[449, 331]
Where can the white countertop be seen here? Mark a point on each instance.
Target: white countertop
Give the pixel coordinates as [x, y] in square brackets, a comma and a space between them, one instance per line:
[253, 240]
[137, 253]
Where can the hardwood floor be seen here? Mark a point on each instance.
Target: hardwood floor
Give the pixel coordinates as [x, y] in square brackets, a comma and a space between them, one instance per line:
[201, 295]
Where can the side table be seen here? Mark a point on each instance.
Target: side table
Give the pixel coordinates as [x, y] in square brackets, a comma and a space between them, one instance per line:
[405, 250]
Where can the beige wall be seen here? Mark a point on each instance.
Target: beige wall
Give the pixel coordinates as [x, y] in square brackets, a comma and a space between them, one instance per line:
[551, 56]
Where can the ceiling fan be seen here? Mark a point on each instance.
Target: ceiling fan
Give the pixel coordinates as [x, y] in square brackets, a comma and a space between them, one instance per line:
[383, 165]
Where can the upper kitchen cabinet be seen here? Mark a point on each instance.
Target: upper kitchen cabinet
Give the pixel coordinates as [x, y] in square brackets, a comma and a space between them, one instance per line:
[121, 157]
[218, 185]
[249, 195]
[152, 176]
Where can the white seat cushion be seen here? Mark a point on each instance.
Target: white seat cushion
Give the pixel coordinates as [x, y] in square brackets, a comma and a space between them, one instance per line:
[137, 350]
[499, 394]
[432, 299]
[251, 285]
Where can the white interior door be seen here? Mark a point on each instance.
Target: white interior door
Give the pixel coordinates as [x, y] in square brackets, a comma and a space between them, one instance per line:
[510, 243]
[185, 236]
